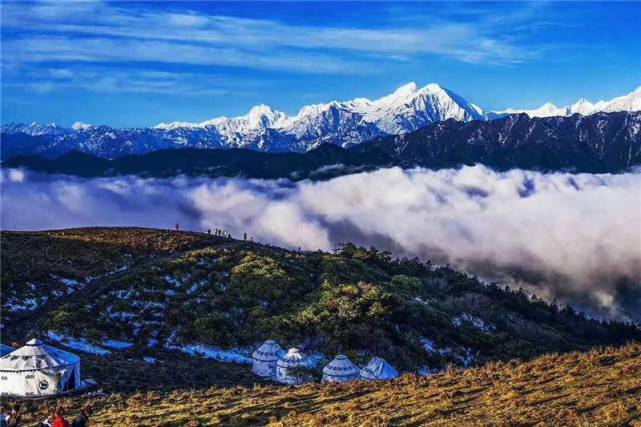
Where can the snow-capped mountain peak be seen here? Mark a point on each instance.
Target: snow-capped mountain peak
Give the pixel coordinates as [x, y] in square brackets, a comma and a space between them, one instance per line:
[34, 128]
[259, 116]
[629, 102]
[433, 87]
[582, 106]
[263, 116]
[546, 110]
[400, 94]
[174, 125]
[81, 126]
[404, 110]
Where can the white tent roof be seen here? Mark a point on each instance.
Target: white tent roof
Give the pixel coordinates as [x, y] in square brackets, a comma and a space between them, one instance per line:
[378, 369]
[293, 358]
[36, 355]
[341, 366]
[270, 351]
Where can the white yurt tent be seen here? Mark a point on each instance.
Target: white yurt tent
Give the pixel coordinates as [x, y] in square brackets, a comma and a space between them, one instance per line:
[378, 369]
[340, 370]
[5, 349]
[38, 370]
[265, 358]
[294, 358]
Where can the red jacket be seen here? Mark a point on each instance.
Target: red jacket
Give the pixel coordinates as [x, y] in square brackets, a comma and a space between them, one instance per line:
[60, 422]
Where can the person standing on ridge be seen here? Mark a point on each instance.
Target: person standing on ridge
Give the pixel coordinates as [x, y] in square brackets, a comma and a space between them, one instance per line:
[59, 419]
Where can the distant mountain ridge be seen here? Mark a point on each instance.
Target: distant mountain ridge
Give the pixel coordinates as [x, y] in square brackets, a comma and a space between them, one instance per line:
[629, 102]
[603, 142]
[345, 123]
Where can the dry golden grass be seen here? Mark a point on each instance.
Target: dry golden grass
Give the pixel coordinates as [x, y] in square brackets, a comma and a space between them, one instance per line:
[601, 387]
[81, 252]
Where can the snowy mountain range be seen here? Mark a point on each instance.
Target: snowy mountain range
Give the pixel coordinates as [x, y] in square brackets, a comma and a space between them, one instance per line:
[598, 143]
[345, 123]
[630, 102]
[406, 109]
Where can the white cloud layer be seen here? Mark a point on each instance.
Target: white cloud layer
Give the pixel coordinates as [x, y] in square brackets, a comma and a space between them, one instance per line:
[572, 237]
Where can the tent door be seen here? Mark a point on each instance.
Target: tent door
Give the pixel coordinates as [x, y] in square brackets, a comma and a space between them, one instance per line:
[30, 385]
[71, 381]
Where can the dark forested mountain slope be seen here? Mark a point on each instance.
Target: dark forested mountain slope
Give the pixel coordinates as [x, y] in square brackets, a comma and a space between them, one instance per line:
[169, 288]
[323, 162]
[603, 142]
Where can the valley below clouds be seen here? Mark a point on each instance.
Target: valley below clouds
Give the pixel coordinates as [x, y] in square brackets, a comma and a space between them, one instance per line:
[571, 237]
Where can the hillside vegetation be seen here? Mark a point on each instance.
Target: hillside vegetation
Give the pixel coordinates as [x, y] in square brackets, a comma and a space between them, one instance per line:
[598, 388]
[156, 289]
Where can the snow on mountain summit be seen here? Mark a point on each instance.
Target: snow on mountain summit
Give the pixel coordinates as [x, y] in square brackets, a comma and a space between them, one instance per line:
[259, 116]
[410, 107]
[80, 126]
[404, 110]
[401, 93]
[630, 102]
[263, 116]
[546, 110]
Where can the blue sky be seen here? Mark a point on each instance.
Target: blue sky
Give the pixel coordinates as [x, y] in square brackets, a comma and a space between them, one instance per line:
[137, 64]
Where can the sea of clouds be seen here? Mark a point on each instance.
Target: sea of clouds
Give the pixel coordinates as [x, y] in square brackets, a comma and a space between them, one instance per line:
[576, 238]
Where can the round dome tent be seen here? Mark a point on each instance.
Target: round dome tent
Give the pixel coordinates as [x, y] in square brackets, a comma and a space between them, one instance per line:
[288, 365]
[378, 369]
[265, 358]
[340, 370]
[39, 370]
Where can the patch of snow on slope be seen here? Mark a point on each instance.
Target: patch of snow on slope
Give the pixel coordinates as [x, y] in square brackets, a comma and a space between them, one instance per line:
[77, 344]
[27, 304]
[227, 356]
[65, 281]
[465, 356]
[474, 321]
[116, 344]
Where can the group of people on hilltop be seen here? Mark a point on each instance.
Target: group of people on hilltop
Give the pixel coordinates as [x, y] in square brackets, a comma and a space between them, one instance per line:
[12, 418]
[57, 419]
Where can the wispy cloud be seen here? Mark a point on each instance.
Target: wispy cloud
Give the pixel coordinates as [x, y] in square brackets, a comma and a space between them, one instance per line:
[197, 38]
[109, 80]
[111, 50]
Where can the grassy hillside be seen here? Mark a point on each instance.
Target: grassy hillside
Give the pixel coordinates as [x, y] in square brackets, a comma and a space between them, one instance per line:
[154, 288]
[598, 388]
